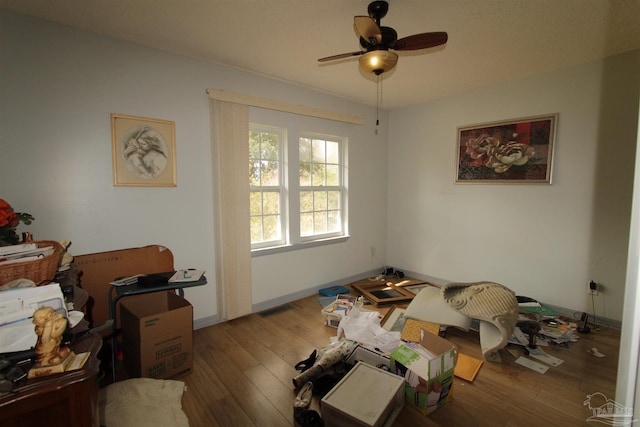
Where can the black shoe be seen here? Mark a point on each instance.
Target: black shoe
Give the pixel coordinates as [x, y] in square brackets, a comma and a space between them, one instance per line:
[306, 364]
[307, 418]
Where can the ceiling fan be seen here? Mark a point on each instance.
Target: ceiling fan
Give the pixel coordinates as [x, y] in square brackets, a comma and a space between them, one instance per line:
[379, 42]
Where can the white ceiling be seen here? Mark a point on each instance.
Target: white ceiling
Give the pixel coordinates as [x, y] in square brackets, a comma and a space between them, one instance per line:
[489, 40]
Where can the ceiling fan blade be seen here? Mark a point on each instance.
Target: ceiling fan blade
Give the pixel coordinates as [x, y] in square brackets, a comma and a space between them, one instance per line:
[368, 29]
[340, 56]
[421, 41]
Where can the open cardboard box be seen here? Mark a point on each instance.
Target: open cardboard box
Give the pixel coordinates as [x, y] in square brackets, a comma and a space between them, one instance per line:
[427, 368]
[157, 335]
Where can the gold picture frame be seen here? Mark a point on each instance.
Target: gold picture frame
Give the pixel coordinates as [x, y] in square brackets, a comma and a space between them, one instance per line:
[385, 292]
[144, 151]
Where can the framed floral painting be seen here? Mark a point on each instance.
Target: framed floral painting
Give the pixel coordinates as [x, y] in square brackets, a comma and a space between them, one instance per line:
[514, 151]
[144, 151]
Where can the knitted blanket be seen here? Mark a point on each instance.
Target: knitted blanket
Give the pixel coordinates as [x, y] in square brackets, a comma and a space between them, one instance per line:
[488, 302]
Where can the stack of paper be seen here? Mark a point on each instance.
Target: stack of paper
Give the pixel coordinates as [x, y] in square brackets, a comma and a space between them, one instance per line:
[558, 332]
[554, 331]
[126, 281]
[17, 306]
[23, 252]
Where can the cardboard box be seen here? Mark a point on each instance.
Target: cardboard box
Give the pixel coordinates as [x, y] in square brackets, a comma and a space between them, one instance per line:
[428, 371]
[157, 335]
[334, 312]
[366, 396]
[98, 269]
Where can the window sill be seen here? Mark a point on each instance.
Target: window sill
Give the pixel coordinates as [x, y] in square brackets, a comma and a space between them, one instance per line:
[297, 246]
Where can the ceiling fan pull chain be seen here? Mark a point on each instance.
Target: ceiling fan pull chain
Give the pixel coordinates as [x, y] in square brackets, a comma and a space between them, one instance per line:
[378, 98]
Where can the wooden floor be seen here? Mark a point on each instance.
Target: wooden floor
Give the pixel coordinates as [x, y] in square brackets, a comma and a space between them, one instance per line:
[243, 369]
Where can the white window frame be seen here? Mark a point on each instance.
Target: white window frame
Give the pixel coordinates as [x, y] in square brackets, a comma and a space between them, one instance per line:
[340, 187]
[281, 187]
[290, 193]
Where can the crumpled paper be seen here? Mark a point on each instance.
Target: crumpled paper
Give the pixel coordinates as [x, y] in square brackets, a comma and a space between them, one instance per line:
[364, 327]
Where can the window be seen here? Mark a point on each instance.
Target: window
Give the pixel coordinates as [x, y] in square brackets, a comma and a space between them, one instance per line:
[320, 187]
[297, 187]
[266, 186]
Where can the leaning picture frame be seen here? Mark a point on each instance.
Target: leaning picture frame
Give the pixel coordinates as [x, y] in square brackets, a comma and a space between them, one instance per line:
[394, 319]
[144, 151]
[517, 151]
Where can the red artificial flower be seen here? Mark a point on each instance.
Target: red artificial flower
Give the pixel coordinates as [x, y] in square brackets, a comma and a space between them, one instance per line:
[9, 220]
[7, 215]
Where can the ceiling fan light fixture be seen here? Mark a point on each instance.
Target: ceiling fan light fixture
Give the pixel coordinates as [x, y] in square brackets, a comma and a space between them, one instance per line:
[378, 61]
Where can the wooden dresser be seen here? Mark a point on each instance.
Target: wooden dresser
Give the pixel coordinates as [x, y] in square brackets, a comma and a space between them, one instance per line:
[68, 399]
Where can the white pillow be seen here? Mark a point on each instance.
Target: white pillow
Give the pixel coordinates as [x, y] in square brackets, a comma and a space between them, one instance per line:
[141, 402]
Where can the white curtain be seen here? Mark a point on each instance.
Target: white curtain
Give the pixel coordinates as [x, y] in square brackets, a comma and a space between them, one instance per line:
[230, 151]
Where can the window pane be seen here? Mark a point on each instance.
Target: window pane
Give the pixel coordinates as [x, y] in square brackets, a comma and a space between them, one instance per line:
[333, 200]
[333, 221]
[270, 172]
[254, 145]
[256, 229]
[305, 173]
[304, 149]
[319, 200]
[255, 203]
[318, 152]
[306, 224]
[318, 175]
[320, 222]
[254, 172]
[306, 201]
[270, 202]
[333, 175]
[271, 227]
[333, 150]
[269, 148]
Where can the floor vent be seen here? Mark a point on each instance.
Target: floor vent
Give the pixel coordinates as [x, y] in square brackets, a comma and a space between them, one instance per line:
[275, 310]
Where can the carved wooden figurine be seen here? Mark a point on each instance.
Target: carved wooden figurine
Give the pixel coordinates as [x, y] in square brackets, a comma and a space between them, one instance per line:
[51, 358]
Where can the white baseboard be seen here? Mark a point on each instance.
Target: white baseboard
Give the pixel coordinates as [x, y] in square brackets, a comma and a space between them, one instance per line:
[284, 299]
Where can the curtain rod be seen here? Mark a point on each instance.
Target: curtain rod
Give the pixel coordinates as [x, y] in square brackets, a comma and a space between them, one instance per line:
[253, 101]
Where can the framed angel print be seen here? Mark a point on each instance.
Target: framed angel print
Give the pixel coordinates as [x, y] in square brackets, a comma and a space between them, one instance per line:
[144, 151]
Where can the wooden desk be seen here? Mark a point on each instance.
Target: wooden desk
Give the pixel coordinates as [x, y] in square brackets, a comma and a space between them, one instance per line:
[69, 399]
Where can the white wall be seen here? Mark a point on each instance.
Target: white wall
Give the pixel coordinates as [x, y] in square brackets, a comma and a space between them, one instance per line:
[542, 241]
[59, 86]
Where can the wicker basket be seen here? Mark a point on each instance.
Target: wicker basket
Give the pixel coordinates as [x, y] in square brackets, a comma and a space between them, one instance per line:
[39, 271]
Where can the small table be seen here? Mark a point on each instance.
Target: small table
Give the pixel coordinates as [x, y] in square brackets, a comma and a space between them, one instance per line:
[117, 292]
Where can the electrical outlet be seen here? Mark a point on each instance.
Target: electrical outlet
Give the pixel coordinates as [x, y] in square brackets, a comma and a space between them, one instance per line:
[592, 288]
